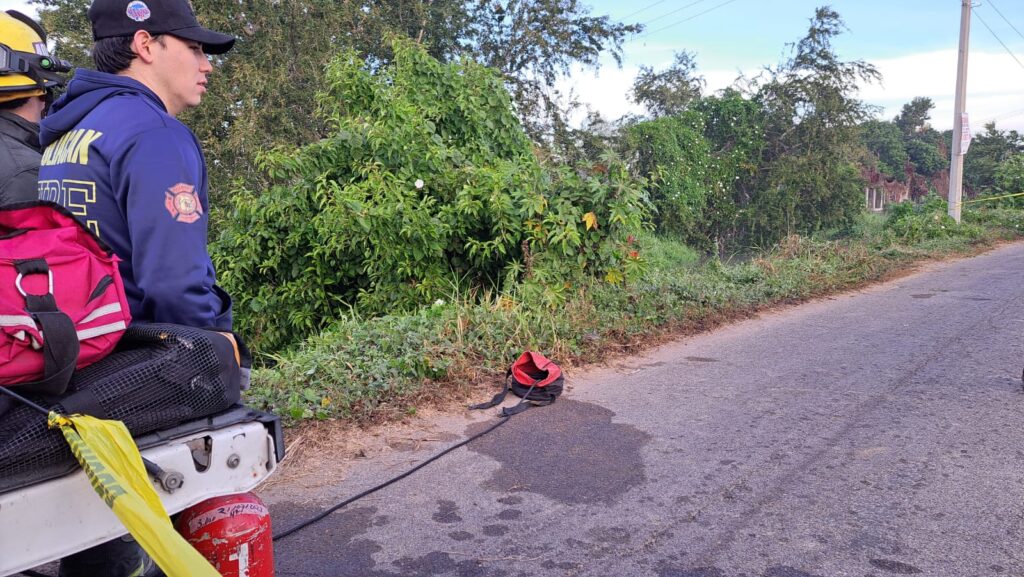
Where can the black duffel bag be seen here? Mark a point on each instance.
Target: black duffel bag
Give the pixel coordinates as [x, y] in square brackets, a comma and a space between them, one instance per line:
[159, 376]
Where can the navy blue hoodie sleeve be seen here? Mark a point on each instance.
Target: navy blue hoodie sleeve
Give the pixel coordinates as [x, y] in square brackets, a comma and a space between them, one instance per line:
[163, 183]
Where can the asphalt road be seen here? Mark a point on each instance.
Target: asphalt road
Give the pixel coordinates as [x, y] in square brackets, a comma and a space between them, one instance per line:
[872, 434]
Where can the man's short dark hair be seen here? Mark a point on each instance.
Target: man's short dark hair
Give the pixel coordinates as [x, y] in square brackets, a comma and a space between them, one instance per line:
[114, 54]
[12, 104]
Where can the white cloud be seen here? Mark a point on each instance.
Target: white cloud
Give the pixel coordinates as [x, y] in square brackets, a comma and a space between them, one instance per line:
[995, 87]
[606, 91]
[23, 7]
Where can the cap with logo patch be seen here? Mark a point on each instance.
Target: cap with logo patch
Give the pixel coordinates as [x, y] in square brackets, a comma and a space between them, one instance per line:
[125, 17]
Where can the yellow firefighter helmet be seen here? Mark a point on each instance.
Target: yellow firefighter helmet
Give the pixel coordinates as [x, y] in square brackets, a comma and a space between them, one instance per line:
[26, 67]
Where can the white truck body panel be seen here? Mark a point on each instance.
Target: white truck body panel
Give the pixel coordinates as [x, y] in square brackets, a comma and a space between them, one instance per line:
[50, 520]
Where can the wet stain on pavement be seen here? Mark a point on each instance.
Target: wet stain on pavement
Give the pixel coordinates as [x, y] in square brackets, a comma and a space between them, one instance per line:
[495, 530]
[447, 512]
[439, 563]
[694, 572]
[510, 514]
[701, 360]
[335, 537]
[616, 535]
[333, 546]
[922, 296]
[569, 452]
[783, 571]
[894, 566]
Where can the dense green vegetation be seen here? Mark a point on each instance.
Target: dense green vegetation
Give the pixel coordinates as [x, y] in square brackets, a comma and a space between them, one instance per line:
[364, 369]
[428, 185]
[400, 204]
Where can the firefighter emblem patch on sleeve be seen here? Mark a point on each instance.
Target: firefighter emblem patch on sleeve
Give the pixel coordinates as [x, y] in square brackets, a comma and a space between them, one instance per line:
[183, 203]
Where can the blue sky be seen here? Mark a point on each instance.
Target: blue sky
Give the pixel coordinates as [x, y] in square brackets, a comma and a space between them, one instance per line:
[912, 42]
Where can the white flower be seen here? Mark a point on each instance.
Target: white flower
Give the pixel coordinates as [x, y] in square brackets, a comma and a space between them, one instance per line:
[419, 183]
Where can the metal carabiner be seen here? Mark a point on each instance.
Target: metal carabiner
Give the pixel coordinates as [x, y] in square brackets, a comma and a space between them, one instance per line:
[17, 284]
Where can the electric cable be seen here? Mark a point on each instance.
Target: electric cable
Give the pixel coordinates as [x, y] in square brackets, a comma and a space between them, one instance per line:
[505, 414]
[1004, 116]
[715, 7]
[644, 9]
[673, 12]
[1005, 19]
[322, 515]
[1000, 40]
[1009, 114]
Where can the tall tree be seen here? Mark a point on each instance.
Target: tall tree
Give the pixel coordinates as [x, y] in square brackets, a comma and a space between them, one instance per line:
[925, 155]
[534, 43]
[988, 150]
[885, 141]
[914, 115]
[669, 91]
[810, 179]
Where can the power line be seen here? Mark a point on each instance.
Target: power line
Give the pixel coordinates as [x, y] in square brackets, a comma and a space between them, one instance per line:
[644, 9]
[717, 6]
[673, 12]
[1004, 18]
[1009, 114]
[1010, 52]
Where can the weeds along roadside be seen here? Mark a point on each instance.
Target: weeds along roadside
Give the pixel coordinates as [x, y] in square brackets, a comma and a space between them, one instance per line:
[379, 369]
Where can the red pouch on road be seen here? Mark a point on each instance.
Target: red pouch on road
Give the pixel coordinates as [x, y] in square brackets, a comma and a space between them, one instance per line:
[532, 377]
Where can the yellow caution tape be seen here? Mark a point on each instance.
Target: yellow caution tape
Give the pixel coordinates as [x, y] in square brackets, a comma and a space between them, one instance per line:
[114, 466]
[987, 198]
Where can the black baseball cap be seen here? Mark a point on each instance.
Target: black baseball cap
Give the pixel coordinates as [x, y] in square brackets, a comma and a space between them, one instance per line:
[125, 17]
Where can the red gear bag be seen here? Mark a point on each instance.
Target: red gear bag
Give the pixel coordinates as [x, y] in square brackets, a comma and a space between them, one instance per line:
[62, 302]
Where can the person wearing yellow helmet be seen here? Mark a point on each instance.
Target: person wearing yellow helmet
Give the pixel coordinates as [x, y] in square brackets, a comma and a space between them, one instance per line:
[28, 74]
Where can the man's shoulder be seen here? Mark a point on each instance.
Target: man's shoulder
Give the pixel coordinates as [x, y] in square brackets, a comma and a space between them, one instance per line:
[132, 116]
[15, 156]
[19, 170]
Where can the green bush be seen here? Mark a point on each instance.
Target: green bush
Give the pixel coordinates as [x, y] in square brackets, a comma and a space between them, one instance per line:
[673, 154]
[1009, 181]
[427, 184]
[914, 223]
[357, 366]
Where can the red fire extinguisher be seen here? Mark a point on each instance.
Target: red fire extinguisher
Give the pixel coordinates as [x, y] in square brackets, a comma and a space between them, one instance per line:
[233, 533]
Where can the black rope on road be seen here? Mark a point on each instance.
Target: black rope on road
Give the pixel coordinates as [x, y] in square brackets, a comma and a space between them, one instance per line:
[320, 516]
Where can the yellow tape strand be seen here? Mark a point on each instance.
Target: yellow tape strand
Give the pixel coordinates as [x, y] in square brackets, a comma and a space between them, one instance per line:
[987, 198]
[107, 453]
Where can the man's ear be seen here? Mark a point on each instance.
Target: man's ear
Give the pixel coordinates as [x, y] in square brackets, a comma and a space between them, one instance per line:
[142, 45]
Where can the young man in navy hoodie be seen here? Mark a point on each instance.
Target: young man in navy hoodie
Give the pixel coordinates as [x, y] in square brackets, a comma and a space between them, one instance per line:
[117, 157]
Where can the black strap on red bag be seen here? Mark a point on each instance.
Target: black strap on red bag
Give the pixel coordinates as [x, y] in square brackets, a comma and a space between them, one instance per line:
[534, 378]
[60, 351]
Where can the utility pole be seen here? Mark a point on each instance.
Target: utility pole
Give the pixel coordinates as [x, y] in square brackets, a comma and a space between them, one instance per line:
[956, 162]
